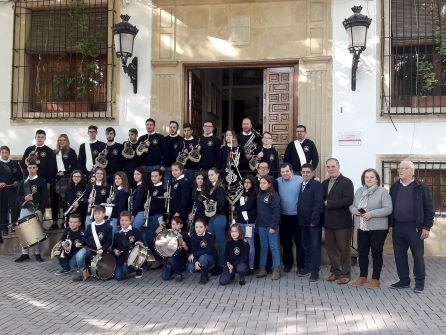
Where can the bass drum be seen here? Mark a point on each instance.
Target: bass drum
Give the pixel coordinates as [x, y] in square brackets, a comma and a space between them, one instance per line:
[29, 231]
[103, 266]
[168, 243]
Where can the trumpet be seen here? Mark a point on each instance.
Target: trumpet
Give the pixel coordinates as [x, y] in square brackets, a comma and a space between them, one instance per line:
[32, 157]
[127, 151]
[130, 202]
[91, 205]
[71, 208]
[111, 197]
[190, 222]
[143, 147]
[147, 210]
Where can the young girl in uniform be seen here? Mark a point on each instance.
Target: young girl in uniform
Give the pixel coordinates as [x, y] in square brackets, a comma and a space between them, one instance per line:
[138, 198]
[101, 191]
[202, 252]
[120, 200]
[236, 256]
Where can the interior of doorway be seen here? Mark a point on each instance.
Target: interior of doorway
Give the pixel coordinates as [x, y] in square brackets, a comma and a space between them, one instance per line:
[225, 96]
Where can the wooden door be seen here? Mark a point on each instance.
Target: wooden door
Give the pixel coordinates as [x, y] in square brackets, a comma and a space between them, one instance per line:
[278, 105]
[195, 103]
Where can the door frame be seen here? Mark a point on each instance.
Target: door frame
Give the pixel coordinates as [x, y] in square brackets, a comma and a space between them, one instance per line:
[222, 65]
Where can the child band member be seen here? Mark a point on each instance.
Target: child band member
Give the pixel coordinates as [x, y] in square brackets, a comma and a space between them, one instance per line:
[32, 195]
[97, 239]
[236, 256]
[180, 193]
[202, 252]
[71, 244]
[175, 265]
[124, 241]
[120, 199]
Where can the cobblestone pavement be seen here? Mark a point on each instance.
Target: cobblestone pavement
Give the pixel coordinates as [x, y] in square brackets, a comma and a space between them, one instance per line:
[34, 301]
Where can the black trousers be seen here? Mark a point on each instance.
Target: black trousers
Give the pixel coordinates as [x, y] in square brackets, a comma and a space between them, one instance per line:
[374, 240]
[290, 232]
[8, 203]
[405, 236]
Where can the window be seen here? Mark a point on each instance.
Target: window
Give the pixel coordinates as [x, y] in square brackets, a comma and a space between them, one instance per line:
[62, 60]
[414, 57]
[432, 173]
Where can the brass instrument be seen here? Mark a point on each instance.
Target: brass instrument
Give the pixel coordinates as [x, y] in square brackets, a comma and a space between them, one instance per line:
[143, 147]
[183, 156]
[147, 210]
[29, 204]
[90, 206]
[130, 201]
[101, 160]
[167, 198]
[32, 157]
[210, 207]
[128, 151]
[194, 155]
[250, 146]
[190, 222]
[112, 196]
[61, 249]
[254, 162]
[71, 208]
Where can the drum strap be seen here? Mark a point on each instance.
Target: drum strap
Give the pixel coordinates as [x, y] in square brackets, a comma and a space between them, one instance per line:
[95, 236]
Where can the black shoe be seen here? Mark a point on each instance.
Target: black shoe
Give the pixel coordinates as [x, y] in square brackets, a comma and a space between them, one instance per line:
[1, 238]
[302, 273]
[399, 285]
[39, 258]
[204, 278]
[217, 270]
[23, 257]
[179, 278]
[418, 288]
[138, 273]
[62, 272]
[286, 269]
[250, 272]
[242, 280]
[314, 277]
[54, 226]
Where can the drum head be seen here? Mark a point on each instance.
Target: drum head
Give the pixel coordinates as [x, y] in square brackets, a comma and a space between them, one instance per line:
[27, 218]
[29, 231]
[103, 267]
[168, 243]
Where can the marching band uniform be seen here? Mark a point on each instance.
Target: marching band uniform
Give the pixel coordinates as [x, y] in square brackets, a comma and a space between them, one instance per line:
[246, 210]
[155, 212]
[152, 159]
[198, 201]
[172, 146]
[270, 156]
[45, 161]
[242, 139]
[217, 223]
[71, 195]
[120, 204]
[84, 162]
[37, 187]
[180, 202]
[98, 236]
[102, 194]
[237, 254]
[210, 149]
[115, 160]
[124, 241]
[10, 173]
[69, 261]
[138, 201]
[298, 153]
[175, 265]
[204, 252]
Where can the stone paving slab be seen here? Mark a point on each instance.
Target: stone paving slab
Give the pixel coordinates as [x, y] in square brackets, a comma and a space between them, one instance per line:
[34, 301]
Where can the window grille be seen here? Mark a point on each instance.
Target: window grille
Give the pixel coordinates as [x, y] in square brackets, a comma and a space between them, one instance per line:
[431, 173]
[413, 51]
[62, 59]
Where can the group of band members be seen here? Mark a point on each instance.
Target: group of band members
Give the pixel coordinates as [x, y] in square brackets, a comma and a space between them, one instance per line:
[117, 207]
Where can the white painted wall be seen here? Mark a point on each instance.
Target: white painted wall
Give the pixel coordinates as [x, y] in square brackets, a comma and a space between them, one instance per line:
[356, 111]
[133, 108]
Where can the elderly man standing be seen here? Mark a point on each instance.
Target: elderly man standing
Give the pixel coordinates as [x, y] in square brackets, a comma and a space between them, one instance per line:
[412, 219]
[339, 195]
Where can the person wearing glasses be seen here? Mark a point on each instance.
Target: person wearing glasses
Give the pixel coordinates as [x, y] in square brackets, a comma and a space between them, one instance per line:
[73, 195]
[267, 153]
[411, 221]
[209, 147]
[301, 151]
[89, 150]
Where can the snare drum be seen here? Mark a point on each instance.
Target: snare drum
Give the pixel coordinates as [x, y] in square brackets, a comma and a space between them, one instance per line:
[103, 267]
[168, 243]
[138, 256]
[29, 231]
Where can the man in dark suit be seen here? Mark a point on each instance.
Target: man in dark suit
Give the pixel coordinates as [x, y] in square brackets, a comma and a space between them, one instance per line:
[301, 151]
[310, 208]
[339, 195]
